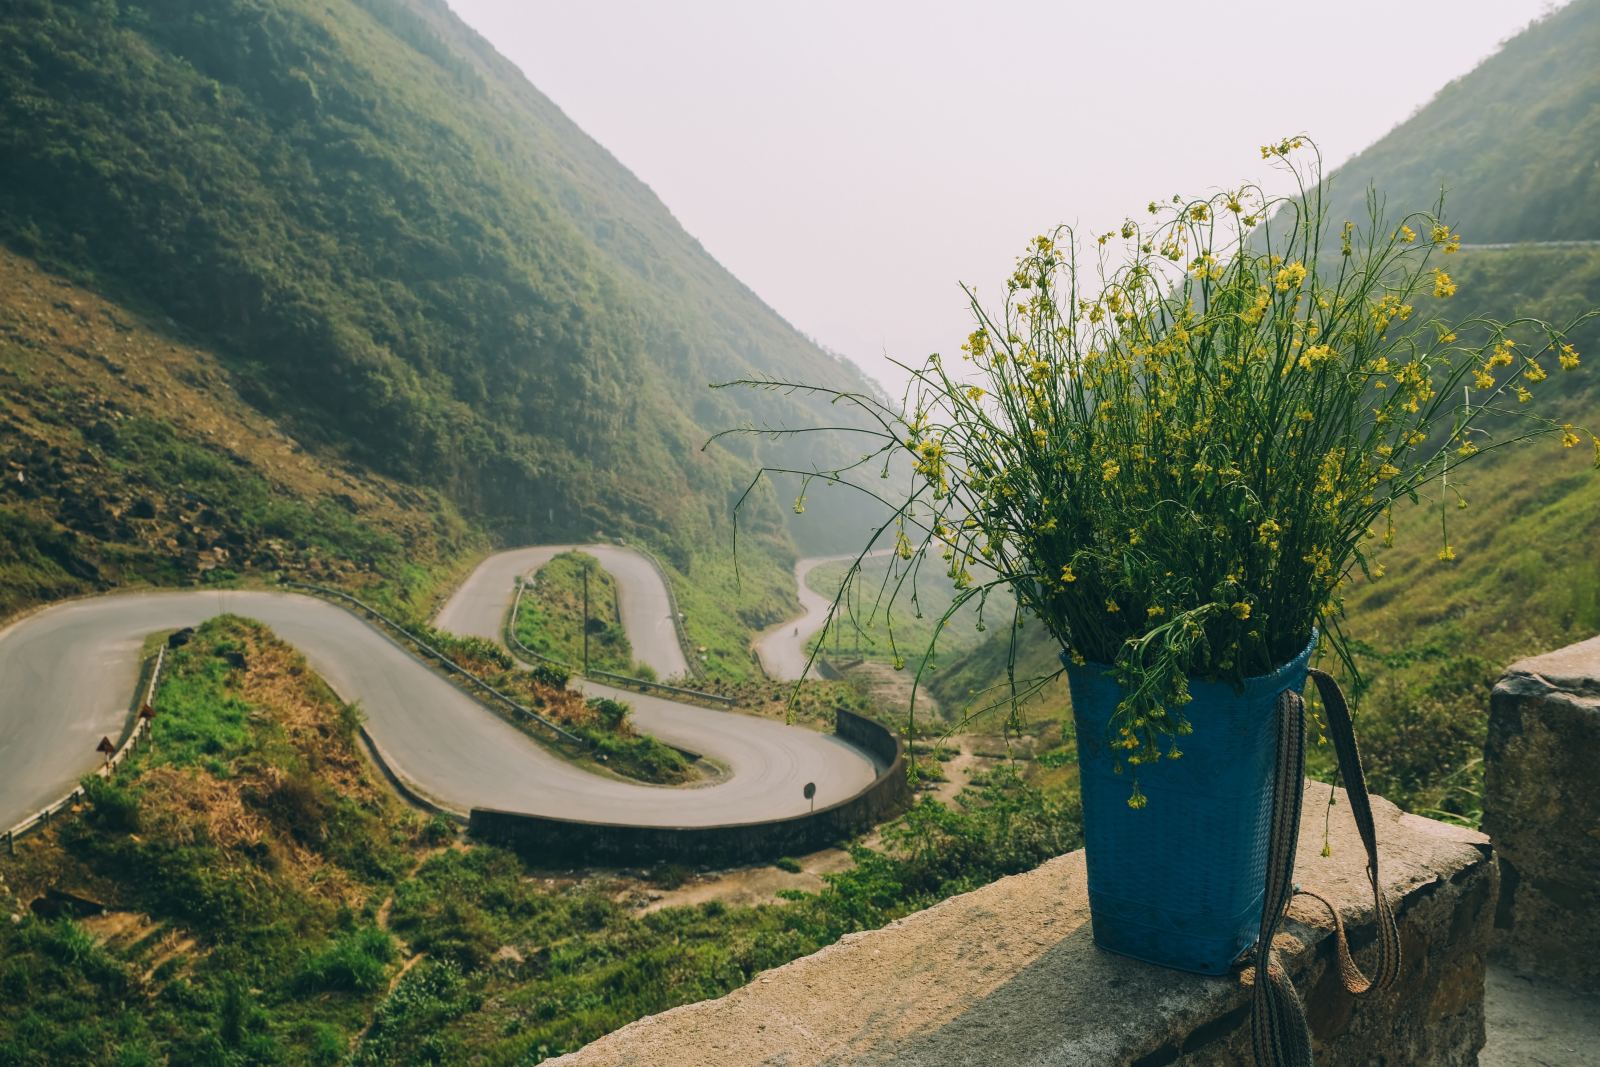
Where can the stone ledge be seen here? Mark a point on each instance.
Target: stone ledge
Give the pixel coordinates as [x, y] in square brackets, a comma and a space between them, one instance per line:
[1542, 809]
[1009, 974]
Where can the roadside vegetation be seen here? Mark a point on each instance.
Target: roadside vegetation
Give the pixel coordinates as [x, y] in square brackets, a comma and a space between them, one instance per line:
[267, 900]
[725, 602]
[551, 621]
[607, 738]
[241, 858]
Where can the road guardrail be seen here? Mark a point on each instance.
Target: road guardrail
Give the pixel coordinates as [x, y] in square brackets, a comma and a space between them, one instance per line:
[144, 712]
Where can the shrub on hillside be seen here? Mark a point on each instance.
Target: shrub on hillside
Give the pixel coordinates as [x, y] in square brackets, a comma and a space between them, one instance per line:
[111, 806]
[355, 962]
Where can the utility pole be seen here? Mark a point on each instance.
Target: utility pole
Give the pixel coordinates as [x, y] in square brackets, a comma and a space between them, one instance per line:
[586, 619]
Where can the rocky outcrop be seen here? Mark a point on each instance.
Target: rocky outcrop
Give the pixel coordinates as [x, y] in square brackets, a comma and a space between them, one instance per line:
[1010, 974]
[1541, 807]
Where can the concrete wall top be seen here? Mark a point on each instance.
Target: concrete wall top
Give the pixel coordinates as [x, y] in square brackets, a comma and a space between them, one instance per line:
[1009, 974]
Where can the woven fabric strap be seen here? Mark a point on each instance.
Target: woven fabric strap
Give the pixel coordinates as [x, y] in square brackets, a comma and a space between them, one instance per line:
[1278, 1030]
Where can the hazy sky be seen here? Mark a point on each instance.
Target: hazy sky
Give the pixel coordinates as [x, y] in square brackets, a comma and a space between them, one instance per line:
[853, 161]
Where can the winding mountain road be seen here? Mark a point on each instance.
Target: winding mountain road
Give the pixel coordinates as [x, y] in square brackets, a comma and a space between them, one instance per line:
[67, 673]
[782, 649]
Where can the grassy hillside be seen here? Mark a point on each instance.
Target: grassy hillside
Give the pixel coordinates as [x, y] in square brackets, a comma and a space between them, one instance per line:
[404, 256]
[869, 626]
[1434, 636]
[268, 901]
[242, 860]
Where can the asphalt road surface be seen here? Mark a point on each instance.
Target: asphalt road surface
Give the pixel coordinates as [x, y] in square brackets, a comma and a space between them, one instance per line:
[67, 676]
[782, 649]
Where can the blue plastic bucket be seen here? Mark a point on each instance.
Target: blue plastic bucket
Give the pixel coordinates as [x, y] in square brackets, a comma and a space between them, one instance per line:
[1180, 881]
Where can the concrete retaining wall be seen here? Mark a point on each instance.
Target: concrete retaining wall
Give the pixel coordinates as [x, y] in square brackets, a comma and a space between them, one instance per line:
[557, 842]
[1009, 974]
[1541, 807]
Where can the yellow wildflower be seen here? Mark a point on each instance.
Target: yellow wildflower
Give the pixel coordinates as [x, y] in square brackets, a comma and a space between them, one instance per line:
[1109, 470]
[1241, 610]
[1568, 438]
[1316, 354]
[1443, 287]
[1290, 277]
[1446, 554]
[1568, 357]
[1067, 576]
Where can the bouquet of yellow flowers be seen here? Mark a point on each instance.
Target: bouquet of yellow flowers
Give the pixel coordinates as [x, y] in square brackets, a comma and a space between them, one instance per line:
[1176, 440]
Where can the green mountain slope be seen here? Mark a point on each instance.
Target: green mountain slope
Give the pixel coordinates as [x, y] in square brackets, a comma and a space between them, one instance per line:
[402, 250]
[1516, 142]
[127, 457]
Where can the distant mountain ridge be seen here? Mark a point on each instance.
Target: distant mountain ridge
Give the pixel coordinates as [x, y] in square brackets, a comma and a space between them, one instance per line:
[401, 249]
[1515, 142]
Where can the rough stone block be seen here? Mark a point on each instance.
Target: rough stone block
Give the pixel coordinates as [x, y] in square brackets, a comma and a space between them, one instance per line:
[1541, 807]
